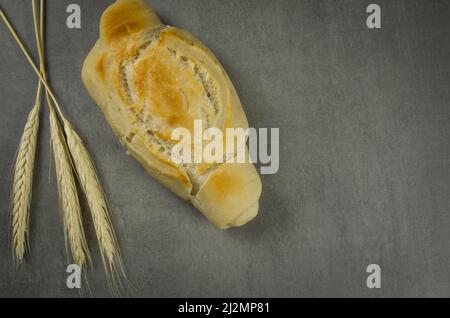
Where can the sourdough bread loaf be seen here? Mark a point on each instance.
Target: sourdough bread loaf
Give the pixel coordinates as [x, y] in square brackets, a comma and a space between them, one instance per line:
[149, 79]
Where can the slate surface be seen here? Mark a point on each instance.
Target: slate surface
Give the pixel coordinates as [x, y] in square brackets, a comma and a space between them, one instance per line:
[364, 149]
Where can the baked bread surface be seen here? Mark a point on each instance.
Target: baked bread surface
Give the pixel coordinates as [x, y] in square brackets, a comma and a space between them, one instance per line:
[149, 79]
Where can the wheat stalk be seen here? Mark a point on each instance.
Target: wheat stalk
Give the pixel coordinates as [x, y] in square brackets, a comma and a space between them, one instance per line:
[23, 183]
[89, 181]
[70, 205]
[68, 196]
[23, 178]
[93, 191]
[86, 173]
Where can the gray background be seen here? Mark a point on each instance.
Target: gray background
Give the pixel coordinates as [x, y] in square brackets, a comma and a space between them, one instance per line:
[365, 158]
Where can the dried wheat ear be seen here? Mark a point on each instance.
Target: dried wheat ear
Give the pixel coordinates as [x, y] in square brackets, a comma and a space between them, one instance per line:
[71, 159]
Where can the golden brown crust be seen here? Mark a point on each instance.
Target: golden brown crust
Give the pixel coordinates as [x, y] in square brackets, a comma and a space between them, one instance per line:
[124, 18]
[149, 79]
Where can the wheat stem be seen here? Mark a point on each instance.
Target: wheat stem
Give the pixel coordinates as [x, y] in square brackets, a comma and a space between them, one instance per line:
[39, 36]
[30, 60]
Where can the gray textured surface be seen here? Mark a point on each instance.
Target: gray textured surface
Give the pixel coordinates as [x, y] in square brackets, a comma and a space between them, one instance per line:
[365, 157]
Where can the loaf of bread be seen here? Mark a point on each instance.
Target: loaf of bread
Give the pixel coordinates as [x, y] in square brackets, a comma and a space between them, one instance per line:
[149, 79]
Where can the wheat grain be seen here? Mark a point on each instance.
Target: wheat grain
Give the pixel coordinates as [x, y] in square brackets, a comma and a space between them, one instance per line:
[93, 191]
[70, 205]
[23, 183]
